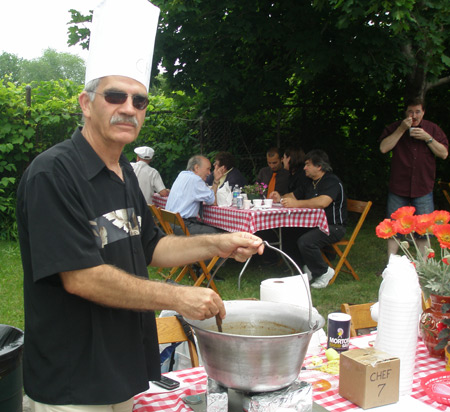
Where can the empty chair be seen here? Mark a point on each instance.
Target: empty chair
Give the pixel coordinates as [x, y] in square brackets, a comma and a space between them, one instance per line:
[172, 219]
[361, 317]
[170, 330]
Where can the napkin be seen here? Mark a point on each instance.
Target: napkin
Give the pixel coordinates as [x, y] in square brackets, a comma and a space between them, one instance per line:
[224, 195]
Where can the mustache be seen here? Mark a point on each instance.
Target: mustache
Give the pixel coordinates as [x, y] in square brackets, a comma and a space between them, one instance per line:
[124, 119]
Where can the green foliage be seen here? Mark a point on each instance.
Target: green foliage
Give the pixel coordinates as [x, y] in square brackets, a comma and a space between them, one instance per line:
[27, 131]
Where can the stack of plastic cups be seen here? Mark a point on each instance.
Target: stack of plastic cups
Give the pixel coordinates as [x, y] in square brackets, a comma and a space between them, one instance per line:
[398, 316]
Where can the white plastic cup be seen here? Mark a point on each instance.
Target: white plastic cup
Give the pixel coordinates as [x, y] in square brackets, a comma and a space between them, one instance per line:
[257, 202]
[268, 202]
[247, 204]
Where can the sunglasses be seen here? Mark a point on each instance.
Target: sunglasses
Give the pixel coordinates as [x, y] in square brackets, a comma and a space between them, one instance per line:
[139, 102]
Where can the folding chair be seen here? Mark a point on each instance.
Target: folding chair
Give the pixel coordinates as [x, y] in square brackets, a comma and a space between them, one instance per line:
[170, 330]
[354, 206]
[361, 317]
[445, 187]
[172, 219]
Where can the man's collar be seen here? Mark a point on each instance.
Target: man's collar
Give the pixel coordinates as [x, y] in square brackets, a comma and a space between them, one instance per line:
[93, 162]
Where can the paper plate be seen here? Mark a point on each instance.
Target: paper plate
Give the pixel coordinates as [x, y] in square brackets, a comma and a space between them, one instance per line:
[437, 387]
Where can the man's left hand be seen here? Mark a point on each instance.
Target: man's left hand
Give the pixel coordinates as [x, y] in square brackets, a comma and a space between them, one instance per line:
[419, 134]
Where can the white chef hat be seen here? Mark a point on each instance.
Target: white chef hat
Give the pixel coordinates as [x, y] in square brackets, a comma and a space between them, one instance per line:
[144, 152]
[122, 40]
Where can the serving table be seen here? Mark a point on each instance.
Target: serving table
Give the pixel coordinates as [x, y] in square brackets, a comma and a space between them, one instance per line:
[193, 382]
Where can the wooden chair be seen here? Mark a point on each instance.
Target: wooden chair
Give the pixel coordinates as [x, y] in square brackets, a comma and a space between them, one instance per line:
[170, 330]
[354, 206]
[361, 318]
[445, 187]
[172, 219]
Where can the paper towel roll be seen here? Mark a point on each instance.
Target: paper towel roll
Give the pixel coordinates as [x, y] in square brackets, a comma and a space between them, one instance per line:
[291, 289]
[294, 291]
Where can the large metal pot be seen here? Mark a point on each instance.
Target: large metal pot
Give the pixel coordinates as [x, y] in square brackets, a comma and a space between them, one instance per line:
[262, 346]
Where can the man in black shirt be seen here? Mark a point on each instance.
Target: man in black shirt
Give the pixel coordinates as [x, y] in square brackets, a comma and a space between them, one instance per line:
[322, 190]
[86, 238]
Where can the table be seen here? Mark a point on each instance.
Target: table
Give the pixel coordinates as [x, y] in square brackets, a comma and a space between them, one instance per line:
[194, 382]
[254, 220]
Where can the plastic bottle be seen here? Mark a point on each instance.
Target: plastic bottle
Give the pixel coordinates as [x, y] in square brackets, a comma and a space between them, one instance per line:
[236, 193]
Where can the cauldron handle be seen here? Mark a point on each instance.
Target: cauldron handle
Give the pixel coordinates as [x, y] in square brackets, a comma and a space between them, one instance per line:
[303, 279]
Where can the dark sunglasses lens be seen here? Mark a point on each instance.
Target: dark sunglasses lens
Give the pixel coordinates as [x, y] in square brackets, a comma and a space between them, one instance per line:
[140, 102]
[116, 97]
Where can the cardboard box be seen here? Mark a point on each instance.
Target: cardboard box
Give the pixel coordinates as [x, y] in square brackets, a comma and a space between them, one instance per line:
[369, 377]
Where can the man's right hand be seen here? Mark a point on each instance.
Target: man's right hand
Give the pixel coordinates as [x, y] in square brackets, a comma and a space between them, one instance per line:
[275, 196]
[406, 124]
[198, 303]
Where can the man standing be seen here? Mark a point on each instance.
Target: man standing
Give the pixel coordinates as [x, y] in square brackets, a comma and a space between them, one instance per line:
[190, 191]
[322, 190]
[415, 143]
[274, 175]
[90, 330]
[149, 178]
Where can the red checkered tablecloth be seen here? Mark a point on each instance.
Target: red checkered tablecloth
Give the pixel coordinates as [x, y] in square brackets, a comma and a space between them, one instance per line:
[195, 380]
[251, 220]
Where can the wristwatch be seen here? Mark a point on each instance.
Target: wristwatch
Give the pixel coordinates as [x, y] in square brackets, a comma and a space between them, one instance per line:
[429, 140]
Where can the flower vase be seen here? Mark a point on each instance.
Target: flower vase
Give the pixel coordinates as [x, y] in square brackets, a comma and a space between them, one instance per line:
[429, 324]
[253, 196]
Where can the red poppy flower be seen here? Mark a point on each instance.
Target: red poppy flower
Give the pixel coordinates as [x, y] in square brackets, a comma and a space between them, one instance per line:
[424, 223]
[403, 211]
[442, 233]
[430, 255]
[445, 261]
[385, 229]
[441, 217]
[405, 225]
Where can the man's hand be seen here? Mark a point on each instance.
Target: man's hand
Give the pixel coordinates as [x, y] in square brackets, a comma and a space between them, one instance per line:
[198, 303]
[239, 246]
[275, 196]
[406, 124]
[219, 172]
[419, 134]
[289, 202]
[164, 192]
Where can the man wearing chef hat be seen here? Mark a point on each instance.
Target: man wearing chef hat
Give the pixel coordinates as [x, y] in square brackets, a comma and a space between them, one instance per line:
[87, 236]
[148, 177]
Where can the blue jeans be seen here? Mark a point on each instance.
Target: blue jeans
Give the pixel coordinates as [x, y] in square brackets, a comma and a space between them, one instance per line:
[423, 204]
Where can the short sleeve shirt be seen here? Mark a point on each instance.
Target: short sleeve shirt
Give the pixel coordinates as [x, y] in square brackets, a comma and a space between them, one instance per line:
[413, 164]
[74, 213]
[149, 180]
[331, 186]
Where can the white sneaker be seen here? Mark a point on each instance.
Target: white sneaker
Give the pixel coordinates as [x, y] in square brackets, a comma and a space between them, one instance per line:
[322, 281]
[307, 272]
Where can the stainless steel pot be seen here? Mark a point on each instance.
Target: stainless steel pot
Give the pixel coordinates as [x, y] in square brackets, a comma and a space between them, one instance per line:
[262, 346]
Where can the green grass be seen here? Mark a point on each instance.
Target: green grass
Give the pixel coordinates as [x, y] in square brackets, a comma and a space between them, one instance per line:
[368, 256]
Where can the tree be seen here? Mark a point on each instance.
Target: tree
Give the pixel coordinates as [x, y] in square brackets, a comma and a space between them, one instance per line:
[416, 33]
[255, 54]
[53, 66]
[10, 65]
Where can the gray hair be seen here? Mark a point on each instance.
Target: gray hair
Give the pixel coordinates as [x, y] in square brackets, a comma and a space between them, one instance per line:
[193, 161]
[91, 88]
[319, 159]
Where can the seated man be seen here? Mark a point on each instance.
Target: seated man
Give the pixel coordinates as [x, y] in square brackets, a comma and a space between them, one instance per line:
[232, 175]
[322, 190]
[149, 178]
[190, 190]
[274, 175]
